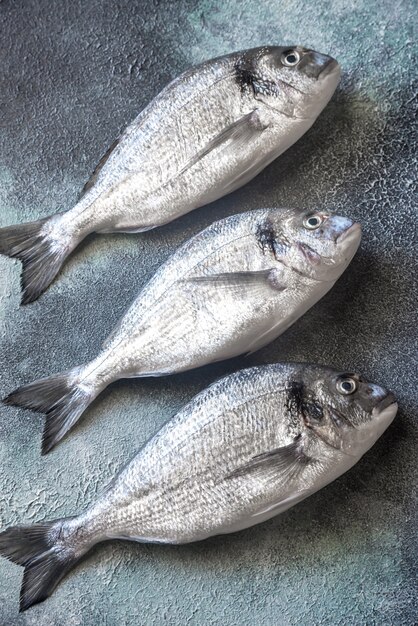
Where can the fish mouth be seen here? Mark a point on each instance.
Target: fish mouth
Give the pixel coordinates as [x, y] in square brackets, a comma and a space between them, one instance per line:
[384, 413]
[352, 232]
[330, 67]
[385, 403]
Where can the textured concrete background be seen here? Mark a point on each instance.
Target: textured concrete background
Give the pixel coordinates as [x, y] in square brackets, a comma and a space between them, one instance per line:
[73, 74]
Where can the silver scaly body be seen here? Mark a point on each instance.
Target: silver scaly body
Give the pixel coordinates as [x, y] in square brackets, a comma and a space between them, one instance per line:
[178, 489]
[177, 323]
[247, 448]
[229, 290]
[159, 169]
[207, 133]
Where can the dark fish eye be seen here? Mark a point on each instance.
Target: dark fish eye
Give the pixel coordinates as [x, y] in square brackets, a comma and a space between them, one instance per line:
[312, 222]
[290, 58]
[346, 386]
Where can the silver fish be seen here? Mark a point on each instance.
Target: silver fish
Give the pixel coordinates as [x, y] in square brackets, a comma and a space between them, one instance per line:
[229, 290]
[244, 450]
[207, 133]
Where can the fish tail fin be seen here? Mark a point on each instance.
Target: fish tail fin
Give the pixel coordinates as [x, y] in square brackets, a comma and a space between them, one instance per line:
[45, 555]
[63, 398]
[42, 253]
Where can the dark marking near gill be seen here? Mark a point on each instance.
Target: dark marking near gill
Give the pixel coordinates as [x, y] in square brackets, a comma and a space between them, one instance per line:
[248, 79]
[271, 242]
[294, 399]
[299, 401]
[266, 237]
[244, 78]
[312, 410]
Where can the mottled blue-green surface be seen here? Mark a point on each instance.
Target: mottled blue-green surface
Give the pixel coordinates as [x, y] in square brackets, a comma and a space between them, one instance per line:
[72, 75]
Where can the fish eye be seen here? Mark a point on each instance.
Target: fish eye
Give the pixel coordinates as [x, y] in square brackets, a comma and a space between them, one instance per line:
[346, 386]
[290, 58]
[312, 222]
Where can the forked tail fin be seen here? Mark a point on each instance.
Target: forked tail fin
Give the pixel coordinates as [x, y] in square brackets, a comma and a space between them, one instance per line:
[41, 254]
[63, 398]
[44, 555]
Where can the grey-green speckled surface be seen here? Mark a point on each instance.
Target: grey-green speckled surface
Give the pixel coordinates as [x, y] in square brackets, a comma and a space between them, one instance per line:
[72, 75]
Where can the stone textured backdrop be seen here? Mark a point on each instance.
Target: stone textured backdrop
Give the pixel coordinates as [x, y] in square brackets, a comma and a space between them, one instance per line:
[72, 75]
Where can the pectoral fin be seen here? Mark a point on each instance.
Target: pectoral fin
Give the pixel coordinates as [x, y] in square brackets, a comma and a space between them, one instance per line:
[232, 138]
[283, 464]
[236, 282]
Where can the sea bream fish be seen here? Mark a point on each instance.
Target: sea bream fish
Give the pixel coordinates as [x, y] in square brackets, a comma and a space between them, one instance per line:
[207, 133]
[229, 290]
[244, 450]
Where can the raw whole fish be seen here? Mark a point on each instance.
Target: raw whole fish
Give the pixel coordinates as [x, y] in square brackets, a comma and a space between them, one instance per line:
[207, 133]
[229, 290]
[247, 448]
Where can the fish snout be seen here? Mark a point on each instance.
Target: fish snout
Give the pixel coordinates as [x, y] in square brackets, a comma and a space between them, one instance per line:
[382, 398]
[330, 67]
[384, 412]
[337, 229]
[318, 65]
[339, 225]
[341, 237]
[348, 241]
[374, 399]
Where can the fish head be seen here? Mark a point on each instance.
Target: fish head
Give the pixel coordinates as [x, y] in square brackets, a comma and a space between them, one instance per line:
[346, 411]
[318, 245]
[295, 81]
